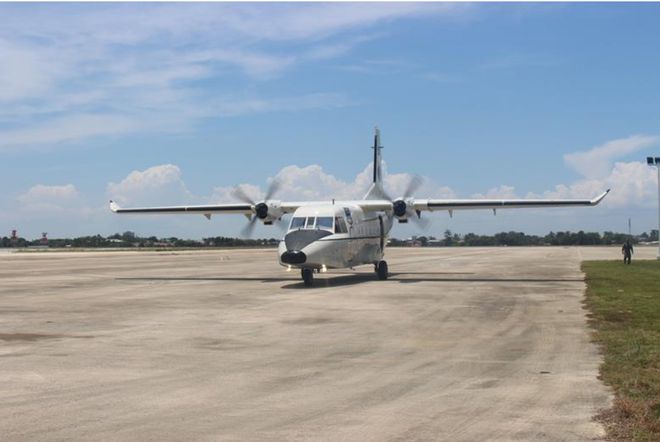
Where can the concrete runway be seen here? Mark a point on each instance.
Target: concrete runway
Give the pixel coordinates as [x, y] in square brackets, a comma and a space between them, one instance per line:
[461, 344]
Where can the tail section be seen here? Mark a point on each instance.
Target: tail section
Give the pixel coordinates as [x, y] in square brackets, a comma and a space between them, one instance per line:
[376, 190]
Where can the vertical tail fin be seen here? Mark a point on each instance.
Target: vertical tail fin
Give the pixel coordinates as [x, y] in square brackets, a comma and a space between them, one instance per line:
[377, 147]
[376, 190]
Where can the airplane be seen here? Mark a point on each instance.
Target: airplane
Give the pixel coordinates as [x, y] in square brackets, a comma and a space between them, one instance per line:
[333, 234]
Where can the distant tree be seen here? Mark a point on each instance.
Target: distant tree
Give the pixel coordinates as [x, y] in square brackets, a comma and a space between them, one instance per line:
[128, 236]
[447, 238]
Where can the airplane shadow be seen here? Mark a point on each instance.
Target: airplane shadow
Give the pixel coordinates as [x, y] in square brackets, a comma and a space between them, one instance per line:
[346, 278]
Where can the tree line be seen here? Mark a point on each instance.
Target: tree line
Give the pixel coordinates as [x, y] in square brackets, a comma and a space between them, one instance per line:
[567, 238]
[130, 239]
[449, 239]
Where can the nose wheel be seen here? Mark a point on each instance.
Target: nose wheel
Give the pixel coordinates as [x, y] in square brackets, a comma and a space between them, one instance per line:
[307, 276]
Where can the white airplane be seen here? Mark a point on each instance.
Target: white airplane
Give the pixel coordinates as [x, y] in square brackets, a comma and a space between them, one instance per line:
[343, 234]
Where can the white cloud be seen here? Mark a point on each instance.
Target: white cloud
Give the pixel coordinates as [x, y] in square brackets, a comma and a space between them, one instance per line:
[255, 64]
[41, 193]
[596, 163]
[157, 185]
[75, 71]
[68, 128]
[23, 73]
[234, 107]
[633, 184]
[502, 191]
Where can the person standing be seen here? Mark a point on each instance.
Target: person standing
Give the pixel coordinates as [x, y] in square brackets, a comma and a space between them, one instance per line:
[627, 251]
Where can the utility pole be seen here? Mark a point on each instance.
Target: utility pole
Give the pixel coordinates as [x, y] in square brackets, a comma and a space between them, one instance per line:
[651, 161]
[629, 229]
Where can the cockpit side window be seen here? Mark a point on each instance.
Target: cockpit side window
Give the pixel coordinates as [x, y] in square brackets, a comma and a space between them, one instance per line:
[297, 223]
[340, 225]
[324, 222]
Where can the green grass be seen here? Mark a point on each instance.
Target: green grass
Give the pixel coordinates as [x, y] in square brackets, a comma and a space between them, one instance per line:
[624, 301]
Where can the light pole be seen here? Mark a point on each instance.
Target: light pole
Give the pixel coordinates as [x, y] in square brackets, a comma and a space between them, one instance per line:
[651, 161]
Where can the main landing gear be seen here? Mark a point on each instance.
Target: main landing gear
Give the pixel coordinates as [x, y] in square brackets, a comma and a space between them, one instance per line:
[381, 270]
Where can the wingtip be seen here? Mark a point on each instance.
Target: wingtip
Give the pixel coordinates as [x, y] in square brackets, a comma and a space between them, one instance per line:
[599, 198]
[113, 206]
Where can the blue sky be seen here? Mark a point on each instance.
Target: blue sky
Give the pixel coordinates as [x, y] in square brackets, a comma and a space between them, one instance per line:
[178, 103]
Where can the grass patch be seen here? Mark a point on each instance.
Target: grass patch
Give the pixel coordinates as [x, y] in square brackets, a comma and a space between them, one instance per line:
[624, 301]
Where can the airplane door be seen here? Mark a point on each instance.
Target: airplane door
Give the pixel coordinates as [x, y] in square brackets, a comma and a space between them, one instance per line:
[352, 247]
[382, 233]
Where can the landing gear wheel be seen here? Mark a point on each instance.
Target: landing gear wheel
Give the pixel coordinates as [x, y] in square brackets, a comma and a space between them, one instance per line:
[381, 269]
[307, 276]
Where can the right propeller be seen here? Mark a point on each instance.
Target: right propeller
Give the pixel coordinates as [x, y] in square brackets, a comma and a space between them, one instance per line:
[261, 208]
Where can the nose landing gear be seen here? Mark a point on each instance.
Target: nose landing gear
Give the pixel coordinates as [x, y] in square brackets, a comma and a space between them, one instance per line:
[307, 276]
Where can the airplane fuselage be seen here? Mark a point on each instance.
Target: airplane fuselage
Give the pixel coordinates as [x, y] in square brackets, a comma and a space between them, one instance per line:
[336, 235]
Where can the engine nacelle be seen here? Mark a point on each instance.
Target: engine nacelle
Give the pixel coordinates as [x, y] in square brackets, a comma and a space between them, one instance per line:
[403, 209]
[400, 208]
[268, 211]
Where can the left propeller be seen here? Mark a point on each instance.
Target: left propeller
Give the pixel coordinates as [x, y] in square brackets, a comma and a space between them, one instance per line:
[402, 207]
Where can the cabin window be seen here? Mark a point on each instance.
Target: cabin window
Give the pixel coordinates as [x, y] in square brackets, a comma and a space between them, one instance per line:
[340, 225]
[310, 222]
[324, 222]
[297, 223]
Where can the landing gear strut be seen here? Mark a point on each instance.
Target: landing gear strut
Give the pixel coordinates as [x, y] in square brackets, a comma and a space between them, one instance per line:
[381, 270]
[307, 276]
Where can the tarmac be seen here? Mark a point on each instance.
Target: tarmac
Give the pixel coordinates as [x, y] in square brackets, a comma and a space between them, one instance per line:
[460, 344]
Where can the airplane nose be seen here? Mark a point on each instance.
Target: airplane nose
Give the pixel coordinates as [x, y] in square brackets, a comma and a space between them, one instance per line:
[293, 257]
[299, 239]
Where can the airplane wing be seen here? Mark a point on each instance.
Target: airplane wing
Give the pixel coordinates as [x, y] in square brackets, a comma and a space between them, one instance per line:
[401, 206]
[276, 208]
[464, 204]
[244, 209]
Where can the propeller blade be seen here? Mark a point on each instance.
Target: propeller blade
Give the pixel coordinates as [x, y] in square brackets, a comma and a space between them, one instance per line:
[386, 195]
[415, 182]
[240, 194]
[422, 223]
[273, 188]
[415, 217]
[246, 232]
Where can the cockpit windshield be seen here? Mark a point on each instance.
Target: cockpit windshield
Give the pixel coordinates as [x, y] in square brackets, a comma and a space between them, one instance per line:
[312, 222]
[324, 222]
[297, 223]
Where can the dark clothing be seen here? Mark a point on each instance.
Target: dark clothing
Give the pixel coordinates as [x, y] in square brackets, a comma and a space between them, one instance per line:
[627, 251]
